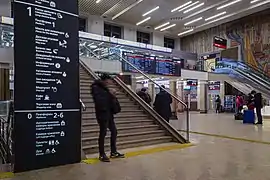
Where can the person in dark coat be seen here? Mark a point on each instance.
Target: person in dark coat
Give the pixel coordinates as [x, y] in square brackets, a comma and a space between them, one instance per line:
[106, 105]
[258, 103]
[145, 96]
[162, 104]
[218, 104]
[251, 100]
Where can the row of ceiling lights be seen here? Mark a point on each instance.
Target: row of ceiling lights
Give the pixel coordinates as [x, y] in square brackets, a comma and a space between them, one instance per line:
[190, 6]
[186, 7]
[220, 16]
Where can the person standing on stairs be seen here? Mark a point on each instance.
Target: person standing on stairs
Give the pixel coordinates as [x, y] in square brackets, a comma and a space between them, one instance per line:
[145, 96]
[162, 104]
[106, 105]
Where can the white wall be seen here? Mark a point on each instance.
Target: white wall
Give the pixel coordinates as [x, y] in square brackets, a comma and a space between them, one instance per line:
[5, 8]
[103, 65]
[158, 39]
[130, 33]
[190, 74]
[6, 55]
[95, 25]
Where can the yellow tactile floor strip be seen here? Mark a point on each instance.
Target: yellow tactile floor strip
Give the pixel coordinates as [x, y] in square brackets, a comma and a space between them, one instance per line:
[5, 175]
[143, 152]
[229, 137]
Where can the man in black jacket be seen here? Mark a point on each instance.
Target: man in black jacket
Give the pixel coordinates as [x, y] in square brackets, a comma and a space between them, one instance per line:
[162, 104]
[258, 103]
[105, 106]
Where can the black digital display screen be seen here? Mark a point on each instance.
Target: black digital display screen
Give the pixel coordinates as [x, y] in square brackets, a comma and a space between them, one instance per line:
[220, 42]
[192, 82]
[168, 67]
[152, 65]
[47, 128]
[214, 85]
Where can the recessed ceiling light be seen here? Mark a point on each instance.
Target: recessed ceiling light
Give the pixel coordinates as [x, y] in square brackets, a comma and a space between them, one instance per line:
[189, 6]
[168, 27]
[193, 21]
[144, 20]
[179, 7]
[217, 15]
[254, 1]
[125, 10]
[194, 7]
[162, 25]
[152, 10]
[228, 4]
[98, 1]
[185, 32]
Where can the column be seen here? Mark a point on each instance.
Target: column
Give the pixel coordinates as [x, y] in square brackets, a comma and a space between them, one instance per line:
[152, 91]
[202, 96]
[222, 91]
[174, 92]
[180, 93]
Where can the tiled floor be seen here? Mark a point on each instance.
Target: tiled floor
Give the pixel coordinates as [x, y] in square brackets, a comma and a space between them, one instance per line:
[211, 158]
[224, 124]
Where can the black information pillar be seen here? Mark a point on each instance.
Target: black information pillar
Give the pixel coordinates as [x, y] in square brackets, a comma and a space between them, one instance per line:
[47, 109]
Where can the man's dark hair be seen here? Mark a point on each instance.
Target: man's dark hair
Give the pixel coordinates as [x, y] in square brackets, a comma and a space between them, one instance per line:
[253, 92]
[143, 89]
[105, 76]
[162, 87]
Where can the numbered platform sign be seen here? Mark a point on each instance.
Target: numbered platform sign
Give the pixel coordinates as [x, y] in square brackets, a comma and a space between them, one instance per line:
[47, 129]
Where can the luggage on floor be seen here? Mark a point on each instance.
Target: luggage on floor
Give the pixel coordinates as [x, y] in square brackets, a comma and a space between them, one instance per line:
[249, 117]
[238, 116]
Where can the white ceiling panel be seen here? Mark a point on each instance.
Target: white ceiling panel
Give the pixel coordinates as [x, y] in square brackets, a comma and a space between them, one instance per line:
[110, 8]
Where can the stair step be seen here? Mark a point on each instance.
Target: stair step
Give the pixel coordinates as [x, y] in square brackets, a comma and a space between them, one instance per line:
[94, 125]
[121, 100]
[89, 96]
[91, 149]
[121, 115]
[122, 130]
[87, 81]
[117, 119]
[125, 137]
[88, 91]
[126, 104]
[123, 110]
[135, 108]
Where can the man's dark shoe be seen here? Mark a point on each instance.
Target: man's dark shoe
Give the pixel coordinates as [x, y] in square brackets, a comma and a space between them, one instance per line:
[117, 155]
[104, 158]
[258, 123]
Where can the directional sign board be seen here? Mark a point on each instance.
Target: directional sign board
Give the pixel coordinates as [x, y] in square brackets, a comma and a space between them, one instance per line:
[47, 126]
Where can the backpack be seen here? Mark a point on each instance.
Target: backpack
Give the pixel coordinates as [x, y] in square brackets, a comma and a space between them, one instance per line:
[116, 108]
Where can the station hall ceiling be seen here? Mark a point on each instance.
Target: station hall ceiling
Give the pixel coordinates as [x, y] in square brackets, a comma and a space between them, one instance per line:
[175, 17]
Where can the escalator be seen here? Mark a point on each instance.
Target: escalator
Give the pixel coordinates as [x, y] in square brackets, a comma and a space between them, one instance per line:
[246, 75]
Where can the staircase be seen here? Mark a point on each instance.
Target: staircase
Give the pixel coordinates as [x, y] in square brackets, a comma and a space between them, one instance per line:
[135, 127]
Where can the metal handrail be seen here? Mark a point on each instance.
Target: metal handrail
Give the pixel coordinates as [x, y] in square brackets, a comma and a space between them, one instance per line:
[83, 105]
[147, 77]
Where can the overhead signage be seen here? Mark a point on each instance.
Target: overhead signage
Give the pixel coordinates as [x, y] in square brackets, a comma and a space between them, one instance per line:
[214, 86]
[152, 65]
[220, 42]
[47, 126]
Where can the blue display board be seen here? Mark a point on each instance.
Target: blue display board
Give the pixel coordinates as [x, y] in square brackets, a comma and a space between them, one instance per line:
[152, 65]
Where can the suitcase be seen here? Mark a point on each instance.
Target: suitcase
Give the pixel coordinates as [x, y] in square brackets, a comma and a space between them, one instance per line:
[238, 116]
[249, 117]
